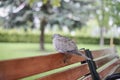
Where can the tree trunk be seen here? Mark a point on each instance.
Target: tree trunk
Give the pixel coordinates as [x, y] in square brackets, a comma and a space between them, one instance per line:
[112, 39]
[102, 25]
[101, 36]
[42, 29]
[111, 42]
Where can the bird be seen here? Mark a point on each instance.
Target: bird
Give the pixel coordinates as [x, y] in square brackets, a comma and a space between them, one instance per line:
[64, 44]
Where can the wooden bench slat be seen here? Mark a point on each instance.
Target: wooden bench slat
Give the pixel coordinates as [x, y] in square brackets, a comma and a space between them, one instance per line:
[70, 74]
[105, 71]
[108, 70]
[104, 60]
[99, 53]
[19, 68]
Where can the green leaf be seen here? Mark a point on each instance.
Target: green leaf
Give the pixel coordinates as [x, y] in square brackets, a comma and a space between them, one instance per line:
[31, 2]
[55, 3]
[45, 1]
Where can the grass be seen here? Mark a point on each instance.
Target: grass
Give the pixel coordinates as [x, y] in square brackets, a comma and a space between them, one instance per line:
[18, 50]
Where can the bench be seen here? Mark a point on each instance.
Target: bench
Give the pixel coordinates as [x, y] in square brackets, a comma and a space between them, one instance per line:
[105, 62]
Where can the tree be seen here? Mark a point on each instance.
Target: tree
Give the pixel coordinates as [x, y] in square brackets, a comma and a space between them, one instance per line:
[76, 15]
[114, 16]
[62, 13]
[115, 9]
[72, 13]
[103, 16]
[19, 13]
[107, 15]
[45, 12]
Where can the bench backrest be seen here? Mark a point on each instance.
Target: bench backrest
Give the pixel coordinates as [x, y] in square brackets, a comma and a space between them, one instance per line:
[106, 61]
[20, 68]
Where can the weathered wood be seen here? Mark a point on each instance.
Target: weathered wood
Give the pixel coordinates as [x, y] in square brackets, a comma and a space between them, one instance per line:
[102, 61]
[105, 71]
[103, 57]
[70, 74]
[19, 68]
[88, 77]
[103, 52]
[108, 70]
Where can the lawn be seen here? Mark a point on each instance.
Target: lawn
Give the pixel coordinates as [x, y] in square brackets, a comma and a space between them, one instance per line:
[18, 50]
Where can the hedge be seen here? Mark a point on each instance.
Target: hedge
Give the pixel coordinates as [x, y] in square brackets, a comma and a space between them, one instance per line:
[18, 37]
[31, 37]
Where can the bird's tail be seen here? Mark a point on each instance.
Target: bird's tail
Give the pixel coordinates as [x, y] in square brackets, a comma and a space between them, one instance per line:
[81, 54]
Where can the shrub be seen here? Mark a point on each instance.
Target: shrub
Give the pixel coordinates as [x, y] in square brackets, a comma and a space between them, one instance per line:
[18, 37]
[6, 36]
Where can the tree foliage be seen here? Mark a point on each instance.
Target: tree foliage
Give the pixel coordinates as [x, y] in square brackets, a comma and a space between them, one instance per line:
[71, 13]
[19, 13]
[107, 15]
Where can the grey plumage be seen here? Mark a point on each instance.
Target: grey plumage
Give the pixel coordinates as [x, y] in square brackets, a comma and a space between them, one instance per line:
[63, 44]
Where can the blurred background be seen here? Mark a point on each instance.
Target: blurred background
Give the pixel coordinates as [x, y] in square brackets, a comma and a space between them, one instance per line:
[27, 26]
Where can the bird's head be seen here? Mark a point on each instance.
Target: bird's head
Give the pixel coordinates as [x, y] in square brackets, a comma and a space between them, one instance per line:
[56, 35]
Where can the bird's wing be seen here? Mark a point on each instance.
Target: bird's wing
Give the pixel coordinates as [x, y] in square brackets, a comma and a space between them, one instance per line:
[67, 44]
